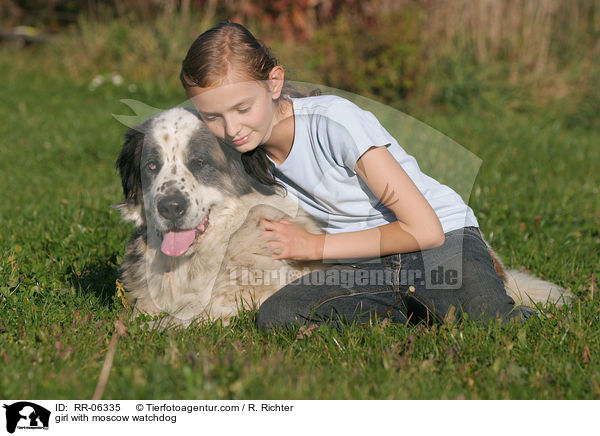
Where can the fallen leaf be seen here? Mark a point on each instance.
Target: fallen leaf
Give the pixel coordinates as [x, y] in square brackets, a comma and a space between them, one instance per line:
[305, 331]
[586, 354]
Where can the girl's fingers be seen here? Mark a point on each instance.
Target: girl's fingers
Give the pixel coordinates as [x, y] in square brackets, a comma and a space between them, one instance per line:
[273, 245]
[269, 234]
[273, 224]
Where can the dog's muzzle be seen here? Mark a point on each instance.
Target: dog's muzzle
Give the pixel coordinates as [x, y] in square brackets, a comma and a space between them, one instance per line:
[178, 239]
[172, 207]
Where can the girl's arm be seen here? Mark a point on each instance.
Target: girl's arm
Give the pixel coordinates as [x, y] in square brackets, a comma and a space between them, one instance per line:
[417, 228]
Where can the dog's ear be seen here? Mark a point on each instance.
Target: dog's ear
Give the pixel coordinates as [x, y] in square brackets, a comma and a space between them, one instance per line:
[128, 164]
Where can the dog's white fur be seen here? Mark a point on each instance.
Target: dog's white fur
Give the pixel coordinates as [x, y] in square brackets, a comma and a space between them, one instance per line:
[226, 268]
[528, 290]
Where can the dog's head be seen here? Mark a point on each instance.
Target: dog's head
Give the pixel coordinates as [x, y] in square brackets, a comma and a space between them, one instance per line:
[174, 171]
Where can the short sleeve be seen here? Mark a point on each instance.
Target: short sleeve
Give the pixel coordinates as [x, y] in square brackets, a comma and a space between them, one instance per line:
[352, 131]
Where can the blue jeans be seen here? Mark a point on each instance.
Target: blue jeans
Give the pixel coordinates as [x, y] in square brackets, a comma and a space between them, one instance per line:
[453, 280]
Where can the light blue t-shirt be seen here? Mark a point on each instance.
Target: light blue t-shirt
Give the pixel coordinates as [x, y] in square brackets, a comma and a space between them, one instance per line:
[330, 135]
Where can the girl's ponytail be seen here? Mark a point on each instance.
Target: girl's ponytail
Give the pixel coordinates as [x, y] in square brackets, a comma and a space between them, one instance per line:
[259, 167]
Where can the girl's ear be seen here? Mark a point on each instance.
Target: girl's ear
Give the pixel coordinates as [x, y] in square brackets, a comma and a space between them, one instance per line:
[276, 80]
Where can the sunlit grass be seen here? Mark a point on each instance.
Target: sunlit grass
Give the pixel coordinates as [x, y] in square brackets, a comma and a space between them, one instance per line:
[536, 197]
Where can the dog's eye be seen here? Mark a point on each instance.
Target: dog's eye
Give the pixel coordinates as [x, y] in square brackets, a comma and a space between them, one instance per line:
[152, 166]
[196, 163]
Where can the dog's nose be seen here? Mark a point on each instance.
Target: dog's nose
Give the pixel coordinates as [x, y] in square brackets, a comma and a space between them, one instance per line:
[172, 207]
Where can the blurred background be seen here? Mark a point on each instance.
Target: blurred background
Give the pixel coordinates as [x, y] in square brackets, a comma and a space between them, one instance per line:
[401, 52]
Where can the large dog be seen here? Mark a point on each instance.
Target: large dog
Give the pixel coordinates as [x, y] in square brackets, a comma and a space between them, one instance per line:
[197, 253]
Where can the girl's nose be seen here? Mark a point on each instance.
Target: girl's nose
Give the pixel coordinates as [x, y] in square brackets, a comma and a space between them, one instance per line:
[232, 126]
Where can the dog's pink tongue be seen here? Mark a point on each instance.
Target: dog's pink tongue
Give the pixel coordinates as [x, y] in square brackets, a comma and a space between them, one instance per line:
[177, 243]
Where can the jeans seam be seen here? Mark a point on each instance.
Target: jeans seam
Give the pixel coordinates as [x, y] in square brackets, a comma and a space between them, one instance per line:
[352, 294]
[477, 238]
[397, 273]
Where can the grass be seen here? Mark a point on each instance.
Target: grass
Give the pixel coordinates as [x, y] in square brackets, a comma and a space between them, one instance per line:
[536, 198]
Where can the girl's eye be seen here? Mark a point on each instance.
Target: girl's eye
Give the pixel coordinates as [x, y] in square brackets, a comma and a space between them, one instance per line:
[209, 118]
[244, 110]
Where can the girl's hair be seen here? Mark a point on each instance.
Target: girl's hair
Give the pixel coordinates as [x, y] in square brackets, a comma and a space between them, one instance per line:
[229, 46]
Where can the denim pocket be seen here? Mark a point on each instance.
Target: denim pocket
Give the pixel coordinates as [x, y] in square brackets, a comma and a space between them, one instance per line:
[392, 260]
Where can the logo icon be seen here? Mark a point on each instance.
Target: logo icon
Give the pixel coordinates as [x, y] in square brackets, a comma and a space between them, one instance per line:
[26, 415]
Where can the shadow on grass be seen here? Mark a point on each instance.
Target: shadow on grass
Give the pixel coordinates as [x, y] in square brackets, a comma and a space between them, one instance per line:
[97, 278]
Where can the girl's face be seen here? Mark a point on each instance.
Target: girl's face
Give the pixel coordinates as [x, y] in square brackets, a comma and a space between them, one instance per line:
[242, 113]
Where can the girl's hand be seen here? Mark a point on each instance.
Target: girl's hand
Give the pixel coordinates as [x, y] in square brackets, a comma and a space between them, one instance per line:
[288, 241]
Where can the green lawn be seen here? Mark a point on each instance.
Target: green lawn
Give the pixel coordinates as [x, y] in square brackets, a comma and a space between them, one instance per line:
[536, 198]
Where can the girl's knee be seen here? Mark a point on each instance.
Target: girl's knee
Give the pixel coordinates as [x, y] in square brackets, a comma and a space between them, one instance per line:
[276, 314]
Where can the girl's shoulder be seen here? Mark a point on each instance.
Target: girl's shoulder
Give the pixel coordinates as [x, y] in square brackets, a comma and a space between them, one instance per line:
[332, 106]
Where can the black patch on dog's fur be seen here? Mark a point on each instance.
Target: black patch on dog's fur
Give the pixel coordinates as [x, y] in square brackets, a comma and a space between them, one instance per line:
[129, 165]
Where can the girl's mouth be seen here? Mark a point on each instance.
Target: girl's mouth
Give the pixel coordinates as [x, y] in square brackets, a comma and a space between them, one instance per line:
[242, 140]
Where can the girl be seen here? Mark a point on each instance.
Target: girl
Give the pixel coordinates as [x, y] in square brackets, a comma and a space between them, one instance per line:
[411, 246]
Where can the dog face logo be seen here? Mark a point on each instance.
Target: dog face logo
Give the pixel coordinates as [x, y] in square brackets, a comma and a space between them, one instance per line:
[26, 415]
